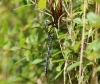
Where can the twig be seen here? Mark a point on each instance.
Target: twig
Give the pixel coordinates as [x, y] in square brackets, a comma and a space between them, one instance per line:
[82, 44]
[65, 7]
[69, 79]
[33, 2]
[47, 13]
[59, 20]
[65, 66]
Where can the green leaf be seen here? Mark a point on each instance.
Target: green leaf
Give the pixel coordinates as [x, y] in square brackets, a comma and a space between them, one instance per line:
[95, 46]
[56, 53]
[5, 27]
[19, 61]
[1, 40]
[94, 19]
[77, 20]
[59, 67]
[59, 60]
[73, 66]
[66, 50]
[36, 61]
[21, 35]
[14, 48]
[3, 33]
[76, 47]
[22, 42]
[98, 69]
[67, 1]
[13, 79]
[90, 63]
[61, 36]
[42, 4]
[66, 53]
[82, 7]
[58, 74]
[93, 55]
[27, 54]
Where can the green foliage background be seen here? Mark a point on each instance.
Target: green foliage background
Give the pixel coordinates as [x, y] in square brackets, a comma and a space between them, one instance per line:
[23, 44]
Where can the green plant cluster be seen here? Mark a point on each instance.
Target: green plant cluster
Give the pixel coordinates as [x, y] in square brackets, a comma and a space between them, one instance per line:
[24, 42]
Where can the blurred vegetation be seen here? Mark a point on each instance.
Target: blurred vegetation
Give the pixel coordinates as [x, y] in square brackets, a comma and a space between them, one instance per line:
[23, 43]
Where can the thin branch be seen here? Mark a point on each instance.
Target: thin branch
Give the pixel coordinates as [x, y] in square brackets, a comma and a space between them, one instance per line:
[82, 44]
[33, 2]
[69, 79]
[65, 7]
[60, 20]
[65, 66]
[47, 13]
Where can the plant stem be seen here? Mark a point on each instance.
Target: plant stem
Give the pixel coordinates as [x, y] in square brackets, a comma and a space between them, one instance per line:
[82, 44]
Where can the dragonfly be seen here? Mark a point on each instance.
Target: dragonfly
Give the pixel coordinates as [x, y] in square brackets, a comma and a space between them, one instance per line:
[50, 38]
[56, 12]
